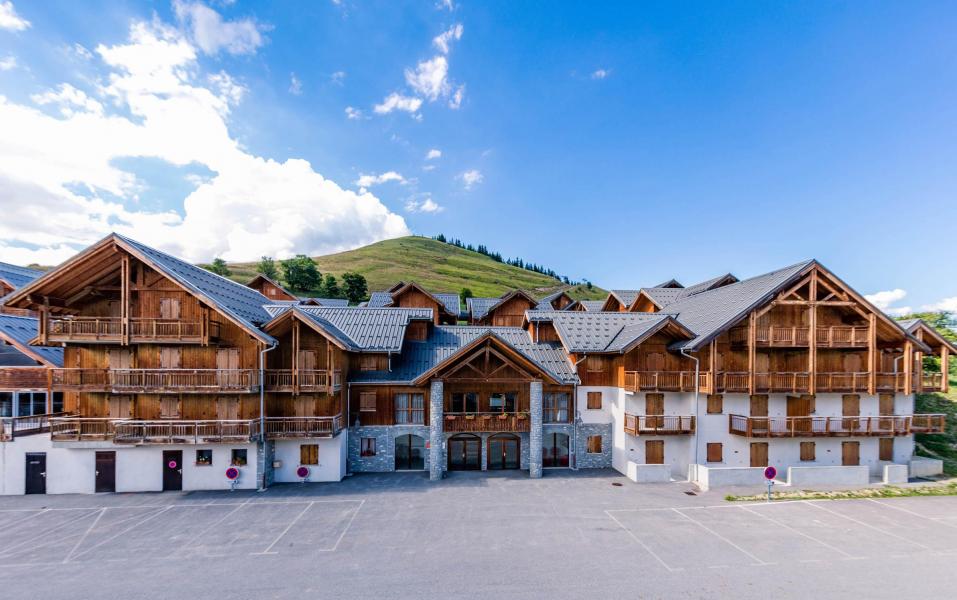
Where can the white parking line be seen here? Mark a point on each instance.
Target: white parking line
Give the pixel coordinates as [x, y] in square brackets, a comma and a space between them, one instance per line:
[128, 529]
[83, 537]
[816, 504]
[27, 518]
[797, 531]
[32, 540]
[206, 529]
[757, 560]
[344, 531]
[643, 545]
[916, 514]
[284, 531]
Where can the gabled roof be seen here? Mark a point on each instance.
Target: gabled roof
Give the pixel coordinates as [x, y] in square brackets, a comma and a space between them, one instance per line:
[606, 332]
[19, 331]
[625, 297]
[338, 302]
[241, 304]
[591, 305]
[447, 342]
[480, 307]
[912, 326]
[671, 283]
[447, 300]
[546, 302]
[260, 277]
[17, 277]
[316, 322]
[379, 300]
[710, 284]
[371, 329]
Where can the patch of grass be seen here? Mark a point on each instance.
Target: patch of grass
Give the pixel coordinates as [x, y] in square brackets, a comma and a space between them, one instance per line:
[437, 266]
[942, 446]
[890, 491]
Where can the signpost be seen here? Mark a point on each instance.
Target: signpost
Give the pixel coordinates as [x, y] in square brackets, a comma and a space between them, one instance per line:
[770, 473]
[303, 474]
[232, 474]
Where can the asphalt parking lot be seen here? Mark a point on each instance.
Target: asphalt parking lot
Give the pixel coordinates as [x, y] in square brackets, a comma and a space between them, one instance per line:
[398, 536]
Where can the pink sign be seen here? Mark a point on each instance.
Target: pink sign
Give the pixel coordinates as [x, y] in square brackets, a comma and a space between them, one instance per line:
[302, 472]
[171, 464]
[770, 473]
[232, 473]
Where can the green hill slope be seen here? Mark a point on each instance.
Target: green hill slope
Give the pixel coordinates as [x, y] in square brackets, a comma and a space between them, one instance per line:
[435, 265]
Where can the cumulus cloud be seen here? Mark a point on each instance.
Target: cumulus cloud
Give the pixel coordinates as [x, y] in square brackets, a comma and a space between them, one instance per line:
[884, 300]
[295, 85]
[423, 204]
[600, 73]
[353, 113]
[8, 63]
[433, 154]
[211, 33]
[161, 107]
[445, 5]
[338, 77]
[370, 180]
[947, 304]
[9, 19]
[396, 101]
[471, 178]
[456, 100]
[444, 39]
[430, 77]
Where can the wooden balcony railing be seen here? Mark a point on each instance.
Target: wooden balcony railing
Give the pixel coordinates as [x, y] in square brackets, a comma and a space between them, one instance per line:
[300, 427]
[110, 329]
[793, 382]
[282, 380]
[156, 380]
[732, 381]
[832, 426]
[842, 382]
[889, 382]
[665, 381]
[783, 336]
[182, 432]
[81, 429]
[930, 381]
[13, 427]
[843, 336]
[659, 424]
[928, 423]
[489, 421]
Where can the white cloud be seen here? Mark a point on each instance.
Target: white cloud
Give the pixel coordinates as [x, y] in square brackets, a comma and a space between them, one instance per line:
[211, 33]
[947, 304]
[9, 19]
[353, 113]
[69, 99]
[428, 167]
[600, 73]
[444, 39]
[471, 178]
[433, 154]
[396, 101]
[444, 5]
[164, 109]
[295, 85]
[8, 63]
[82, 51]
[338, 77]
[883, 301]
[456, 100]
[370, 180]
[430, 77]
[423, 205]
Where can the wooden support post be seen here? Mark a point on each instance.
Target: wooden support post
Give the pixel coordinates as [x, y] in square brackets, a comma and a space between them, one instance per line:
[752, 336]
[812, 334]
[713, 367]
[944, 369]
[295, 355]
[908, 367]
[918, 376]
[125, 300]
[872, 355]
[45, 322]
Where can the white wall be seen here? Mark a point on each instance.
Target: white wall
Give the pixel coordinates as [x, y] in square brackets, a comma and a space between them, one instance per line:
[332, 459]
[68, 472]
[609, 397]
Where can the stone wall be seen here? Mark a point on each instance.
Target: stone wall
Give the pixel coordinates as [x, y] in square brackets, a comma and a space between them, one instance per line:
[584, 460]
[384, 459]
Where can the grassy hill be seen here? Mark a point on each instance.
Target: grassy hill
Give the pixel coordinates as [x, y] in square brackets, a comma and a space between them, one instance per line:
[942, 446]
[435, 265]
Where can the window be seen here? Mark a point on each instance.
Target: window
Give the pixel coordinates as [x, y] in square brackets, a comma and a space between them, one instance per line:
[715, 404]
[309, 454]
[594, 444]
[367, 362]
[715, 454]
[502, 402]
[367, 447]
[6, 404]
[595, 364]
[807, 451]
[594, 401]
[57, 402]
[464, 402]
[204, 458]
[555, 407]
[885, 449]
[31, 403]
[239, 457]
[409, 409]
[367, 402]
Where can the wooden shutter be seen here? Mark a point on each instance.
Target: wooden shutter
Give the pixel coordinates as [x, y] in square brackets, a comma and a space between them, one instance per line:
[594, 400]
[169, 407]
[886, 404]
[655, 452]
[367, 362]
[169, 308]
[594, 444]
[759, 405]
[227, 359]
[850, 454]
[170, 357]
[120, 407]
[309, 454]
[715, 452]
[307, 360]
[227, 408]
[885, 449]
[120, 358]
[715, 404]
[654, 407]
[852, 363]
[595, 364]
[367, 401]
[759, 454]
[807, 451]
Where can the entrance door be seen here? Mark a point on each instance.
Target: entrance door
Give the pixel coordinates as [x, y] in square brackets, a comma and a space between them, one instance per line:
[851, 408]
[759, 454]
[172, 470]
[850, 454]
[409, 453]
[800, 406]
[654, 406]
[36, 473]
[503, 452]
[465, 453]
[555, 450]
[655, 452]
[105, 472]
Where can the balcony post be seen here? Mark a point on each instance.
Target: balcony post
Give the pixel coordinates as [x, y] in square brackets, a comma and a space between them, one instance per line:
[535, 430]
[436, 435]
[944, 368]
[872, 354]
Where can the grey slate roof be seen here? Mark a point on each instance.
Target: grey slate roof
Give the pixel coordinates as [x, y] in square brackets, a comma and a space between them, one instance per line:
[663, 296]
[20, 330]
[339, 302]
[704, 286]
[243, 304]
[17, 276]
[671, 283]
[585, 332]
[371, 329]
[546, 302]
[592, 305]
[449, 300]
[379, 300]
[444, 342]
[479, 307]
[626, 297]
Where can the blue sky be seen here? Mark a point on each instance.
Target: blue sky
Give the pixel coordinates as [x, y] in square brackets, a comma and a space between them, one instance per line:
[626, 144]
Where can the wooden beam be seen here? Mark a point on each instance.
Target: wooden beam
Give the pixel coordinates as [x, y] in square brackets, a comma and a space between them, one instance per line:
[944, 368]
[812, 335]
[752, 343]
[125, 299]
[713, 367]
[872, 354]
[295, 355]
[919, 375]
[908, 367]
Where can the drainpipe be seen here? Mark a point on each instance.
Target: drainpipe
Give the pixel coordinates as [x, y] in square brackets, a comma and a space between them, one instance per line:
[262, 412]
[697, 366]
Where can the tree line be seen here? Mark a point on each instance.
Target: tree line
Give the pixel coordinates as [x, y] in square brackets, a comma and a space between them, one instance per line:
[301, 274]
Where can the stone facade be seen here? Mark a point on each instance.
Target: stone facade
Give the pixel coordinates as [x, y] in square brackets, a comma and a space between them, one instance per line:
[436, 437]
[523, 449]
[265, 455]
[535, 432]
[384, 459]
[584, 460]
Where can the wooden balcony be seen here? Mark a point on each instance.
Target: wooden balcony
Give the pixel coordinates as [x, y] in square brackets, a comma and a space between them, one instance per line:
[283, 380]
[14, 427]
[890, 382]
[842, 336]
[665, 381]
[182, 432]
[733, 381]
[489, 421]
[110, 330]
[300, 427]
[786, 382]
[761, 427]
[842, 382]
[929, 381]
[783, 336]
[157, 381]
[81, 429]
[659, 424]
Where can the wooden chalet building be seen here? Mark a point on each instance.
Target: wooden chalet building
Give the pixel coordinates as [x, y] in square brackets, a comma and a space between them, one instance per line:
[13, 277]
[172, 375]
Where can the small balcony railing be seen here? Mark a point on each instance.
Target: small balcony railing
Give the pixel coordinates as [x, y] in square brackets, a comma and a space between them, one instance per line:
[87, 329]
[930, 381]
[842, 382]
[843, 336]
[283, 380]
[13, 427]
[156, 380]
[487, 421]
[182, 432]
[889, 425]
[732, 381]
[784, 336]
[928, 423]
[793, 382]
[81, 429]
[659, 424]
[110, 329]
[665, 381]
[300, 427]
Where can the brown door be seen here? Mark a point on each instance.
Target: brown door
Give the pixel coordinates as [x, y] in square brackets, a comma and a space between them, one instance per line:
[105, 479]
[886, 404]
[759, 454]
[655, 452]
[120, 407]
[227, 362]
[227, 408]
[654, 405]
[851, 409]
[798, 407]
[759, 406]
[850, 454]
[307, 368]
